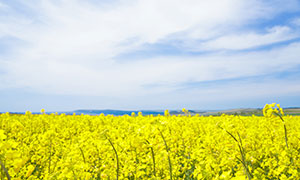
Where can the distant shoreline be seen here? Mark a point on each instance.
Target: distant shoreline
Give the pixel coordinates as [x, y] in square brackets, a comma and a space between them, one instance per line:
[240, 111]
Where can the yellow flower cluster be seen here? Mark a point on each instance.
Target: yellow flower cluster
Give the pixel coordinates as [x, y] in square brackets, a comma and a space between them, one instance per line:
[52, 146]
[272, 110]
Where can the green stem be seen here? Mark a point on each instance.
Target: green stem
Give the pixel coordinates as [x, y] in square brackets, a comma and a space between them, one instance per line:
[286, 138]
[50, 147]
[285, 131]
[83, 157]
[117, 157]
[169, 159]
[5, 170]
[153, 158]
[242, 152]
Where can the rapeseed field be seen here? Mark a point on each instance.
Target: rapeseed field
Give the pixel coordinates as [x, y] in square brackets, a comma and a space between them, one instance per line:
[52, 146]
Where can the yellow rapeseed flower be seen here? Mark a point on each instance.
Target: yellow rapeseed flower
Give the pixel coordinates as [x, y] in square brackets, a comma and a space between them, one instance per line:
[60, 146]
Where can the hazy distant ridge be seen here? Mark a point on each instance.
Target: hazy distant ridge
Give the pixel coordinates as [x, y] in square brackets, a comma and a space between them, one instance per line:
[238, 111]
[115, 112]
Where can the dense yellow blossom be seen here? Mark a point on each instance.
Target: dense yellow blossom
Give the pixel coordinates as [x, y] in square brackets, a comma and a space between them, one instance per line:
[52, 146]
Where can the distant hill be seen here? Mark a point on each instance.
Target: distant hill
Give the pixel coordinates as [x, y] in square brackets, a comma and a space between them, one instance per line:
[251, 111]
[116, 112]
[123, 112]
[240, 111]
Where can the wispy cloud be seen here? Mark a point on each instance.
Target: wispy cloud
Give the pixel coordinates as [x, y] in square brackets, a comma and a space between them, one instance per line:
[296, 21]
[240, 41]
[76, 47]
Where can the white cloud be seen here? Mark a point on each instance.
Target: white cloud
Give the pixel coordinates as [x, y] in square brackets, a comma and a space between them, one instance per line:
[296, 21]
[73, 27]
[2, 5]
[228, 92]
[250, 40]
[130, 78]
[70, 27]
[70, 45]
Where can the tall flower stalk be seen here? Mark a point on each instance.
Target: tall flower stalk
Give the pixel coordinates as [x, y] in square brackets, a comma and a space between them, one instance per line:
[271, 110]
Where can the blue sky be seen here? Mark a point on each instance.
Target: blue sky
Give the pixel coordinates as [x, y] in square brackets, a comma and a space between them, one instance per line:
[138, 54]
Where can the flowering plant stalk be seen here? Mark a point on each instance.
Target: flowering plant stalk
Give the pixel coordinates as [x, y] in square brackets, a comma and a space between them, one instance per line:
[270, 110]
